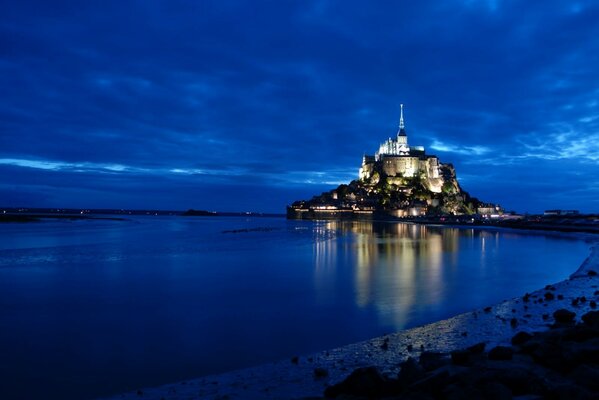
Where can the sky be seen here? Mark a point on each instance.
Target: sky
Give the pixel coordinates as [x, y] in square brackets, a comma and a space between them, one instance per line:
[251, 105]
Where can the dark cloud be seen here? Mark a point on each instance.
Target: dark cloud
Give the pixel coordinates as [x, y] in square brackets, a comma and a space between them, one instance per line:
[249, 104]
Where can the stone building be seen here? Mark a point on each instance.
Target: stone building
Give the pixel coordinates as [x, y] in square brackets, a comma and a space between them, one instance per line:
[395, 158]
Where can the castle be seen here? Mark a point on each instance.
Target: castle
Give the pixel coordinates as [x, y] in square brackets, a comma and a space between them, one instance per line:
[399, 160]
[398, 181]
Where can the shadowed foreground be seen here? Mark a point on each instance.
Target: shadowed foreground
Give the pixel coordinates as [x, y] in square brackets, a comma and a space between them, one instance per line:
[562, 363]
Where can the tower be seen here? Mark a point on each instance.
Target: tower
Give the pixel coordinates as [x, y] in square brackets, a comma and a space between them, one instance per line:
[402, 138]
[402, 130]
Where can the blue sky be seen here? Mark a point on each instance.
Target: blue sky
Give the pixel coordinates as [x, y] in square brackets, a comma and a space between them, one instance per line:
[250, 105]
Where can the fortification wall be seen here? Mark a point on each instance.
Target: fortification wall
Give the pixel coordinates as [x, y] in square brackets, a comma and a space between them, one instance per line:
[403, 166]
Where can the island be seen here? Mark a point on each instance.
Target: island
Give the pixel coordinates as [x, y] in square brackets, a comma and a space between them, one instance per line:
[398, 181]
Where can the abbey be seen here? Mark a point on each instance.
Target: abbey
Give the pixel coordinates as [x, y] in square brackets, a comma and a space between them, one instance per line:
[398, 181]
[396, 159]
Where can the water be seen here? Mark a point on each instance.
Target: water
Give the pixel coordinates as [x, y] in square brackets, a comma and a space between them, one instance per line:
[92, 308]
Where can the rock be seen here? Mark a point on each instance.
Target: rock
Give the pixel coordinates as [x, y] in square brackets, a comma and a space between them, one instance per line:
[518, 379]
[410, 347]
[496, 391]
[569, 391]
[459, 392]
[487, 309]
[592, 273]
[564, 316]
[526, 297]
[591, 319]
[410, 372]
[433, 382]
[460, 357]
[501, 353]
[586, 376]
[576, 353]
[477, 348]
[549, 296]
[514, 322]
[430, 360]
[320, 373]
[521, 338]
[367, 382]
[546, 353]
[385, 345]
[579, 333]
[593, 304]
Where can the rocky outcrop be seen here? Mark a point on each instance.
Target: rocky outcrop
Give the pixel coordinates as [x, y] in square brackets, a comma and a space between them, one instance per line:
[560, 363]
[399, 196]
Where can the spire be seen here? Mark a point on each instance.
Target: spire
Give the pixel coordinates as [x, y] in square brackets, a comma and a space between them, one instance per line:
[402, 131]
[401, 126]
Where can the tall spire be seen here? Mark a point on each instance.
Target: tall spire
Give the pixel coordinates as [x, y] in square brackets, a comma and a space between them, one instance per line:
[401, 126]
[402, 131]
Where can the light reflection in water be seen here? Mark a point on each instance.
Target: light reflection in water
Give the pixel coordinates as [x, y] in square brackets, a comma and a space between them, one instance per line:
[399, 269]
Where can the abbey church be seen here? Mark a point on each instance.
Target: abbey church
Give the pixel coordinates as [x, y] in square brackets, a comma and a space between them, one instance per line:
[398, 181]
[395, 158]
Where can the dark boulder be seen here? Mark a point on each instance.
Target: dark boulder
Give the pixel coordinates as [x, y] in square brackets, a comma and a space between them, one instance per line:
[569, 391]
[477, 348]
[366, 382]
[501, 353]
[549, 354]
[563, 316]
[410, 372]
[433, 382]
[496, 391]
[591, 319]
[430, 360]
[586, 376]
[517, 378]
[521, 338]
[575, 353]
[460, 357]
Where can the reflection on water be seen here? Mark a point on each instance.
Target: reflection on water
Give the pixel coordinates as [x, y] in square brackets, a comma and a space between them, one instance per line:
[400, 268]
[99, 307]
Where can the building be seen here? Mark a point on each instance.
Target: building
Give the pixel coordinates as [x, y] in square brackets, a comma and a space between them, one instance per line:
[396, 158]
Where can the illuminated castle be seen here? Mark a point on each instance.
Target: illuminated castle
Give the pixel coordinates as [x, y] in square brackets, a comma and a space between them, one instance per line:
[395, 158]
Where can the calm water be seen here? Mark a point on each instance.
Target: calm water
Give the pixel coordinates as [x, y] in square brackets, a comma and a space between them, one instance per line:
[91, 308]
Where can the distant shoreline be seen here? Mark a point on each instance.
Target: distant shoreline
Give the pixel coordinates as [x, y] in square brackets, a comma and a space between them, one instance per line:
[25, 214]
[26, 218]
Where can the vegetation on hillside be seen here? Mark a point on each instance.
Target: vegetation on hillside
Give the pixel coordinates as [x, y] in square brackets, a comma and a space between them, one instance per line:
[382, 192]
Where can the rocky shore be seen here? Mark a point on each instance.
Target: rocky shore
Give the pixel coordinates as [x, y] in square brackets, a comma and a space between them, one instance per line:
[562, 363]
[544, 344]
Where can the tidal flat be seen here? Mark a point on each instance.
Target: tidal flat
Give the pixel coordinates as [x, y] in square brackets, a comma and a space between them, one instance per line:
[542, 343]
